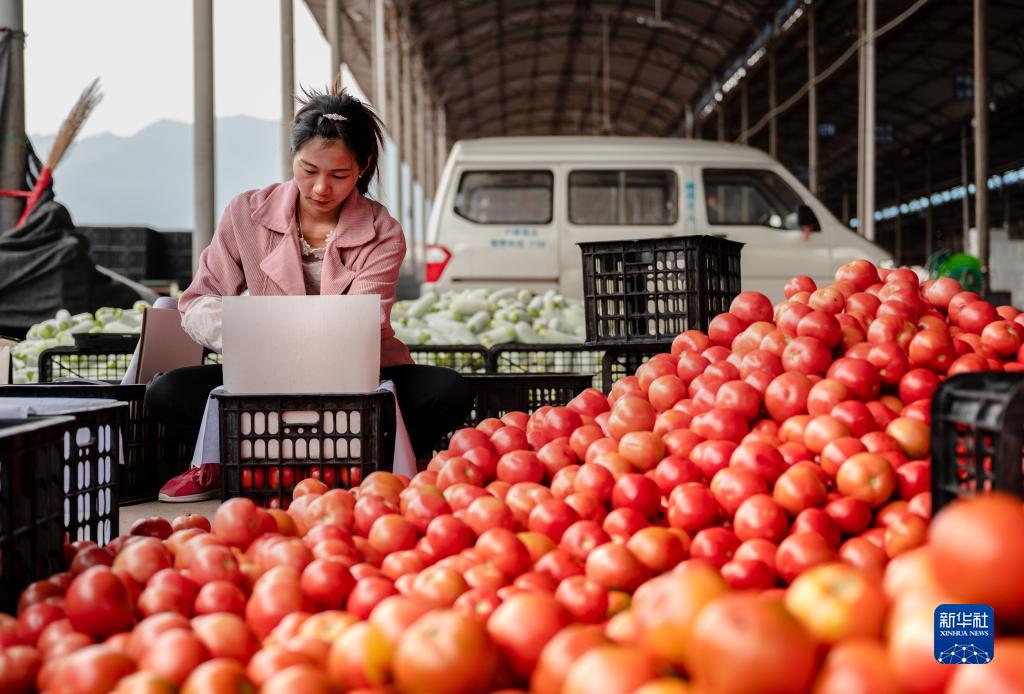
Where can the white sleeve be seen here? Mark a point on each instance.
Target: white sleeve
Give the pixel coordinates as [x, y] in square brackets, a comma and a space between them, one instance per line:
[202, 321]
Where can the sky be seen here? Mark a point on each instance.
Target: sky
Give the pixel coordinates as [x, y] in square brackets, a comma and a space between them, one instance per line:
[142, 52]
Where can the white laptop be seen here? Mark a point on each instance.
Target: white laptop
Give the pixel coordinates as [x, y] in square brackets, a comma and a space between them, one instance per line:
[295, 345]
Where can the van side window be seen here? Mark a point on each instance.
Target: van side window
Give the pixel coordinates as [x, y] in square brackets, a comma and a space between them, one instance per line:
[623, 197]
[505, 197]
[752, 197]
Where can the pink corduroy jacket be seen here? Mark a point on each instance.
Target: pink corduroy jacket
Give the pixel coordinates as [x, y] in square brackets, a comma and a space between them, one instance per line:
[256, 247]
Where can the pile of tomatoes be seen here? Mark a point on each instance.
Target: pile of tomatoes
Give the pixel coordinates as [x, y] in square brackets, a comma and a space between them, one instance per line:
[747, 513]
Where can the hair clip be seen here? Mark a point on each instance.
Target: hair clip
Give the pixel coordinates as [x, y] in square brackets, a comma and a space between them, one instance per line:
[333, 116]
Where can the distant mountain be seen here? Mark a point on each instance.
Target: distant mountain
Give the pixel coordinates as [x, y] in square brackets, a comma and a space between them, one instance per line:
[146, 179]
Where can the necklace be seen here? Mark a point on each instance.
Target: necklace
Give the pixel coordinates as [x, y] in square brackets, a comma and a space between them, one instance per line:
[308, 249]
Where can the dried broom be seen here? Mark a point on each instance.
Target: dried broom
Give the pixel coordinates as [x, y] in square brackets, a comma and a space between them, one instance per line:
[69, 130]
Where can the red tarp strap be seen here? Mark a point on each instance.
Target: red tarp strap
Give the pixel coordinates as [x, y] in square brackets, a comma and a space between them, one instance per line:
[15, 193]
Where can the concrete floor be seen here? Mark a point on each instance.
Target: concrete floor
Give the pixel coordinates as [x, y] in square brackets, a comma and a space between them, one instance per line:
[129, 514]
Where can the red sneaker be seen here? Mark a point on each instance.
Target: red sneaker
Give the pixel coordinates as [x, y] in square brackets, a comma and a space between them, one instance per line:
[195, 484]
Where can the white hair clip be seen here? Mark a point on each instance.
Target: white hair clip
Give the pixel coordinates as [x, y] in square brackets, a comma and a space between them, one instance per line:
[333, 116]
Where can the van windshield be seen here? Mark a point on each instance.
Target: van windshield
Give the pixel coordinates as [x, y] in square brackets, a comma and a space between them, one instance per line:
[750, 197]
[505, 197]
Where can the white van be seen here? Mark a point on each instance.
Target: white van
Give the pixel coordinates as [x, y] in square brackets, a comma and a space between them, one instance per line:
[509, 211]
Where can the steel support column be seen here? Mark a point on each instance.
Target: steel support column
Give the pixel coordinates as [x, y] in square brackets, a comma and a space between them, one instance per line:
[812, 104]
[203, 127]
[981, 135]
[929, 212]
[744, 112]
[333, 11]
[12, 127]
[965, 181]
[408, 155]
[287, 85]
[773, 123]
[866, 145]
[420, 119]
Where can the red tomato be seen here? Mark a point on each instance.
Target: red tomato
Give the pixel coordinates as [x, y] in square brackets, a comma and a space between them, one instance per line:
[585, 601]
[590, 402]
[673, 471]
[91, 669]
[724, 328]
[932, 349]
[751, 307]
[760, 516]
[504, 550]
[868, 477]
[508, 439]
[941, 291]
[858, 375]
[97, 603]
[801, 551]
[580, 539]
[821, 430]
[721, 424]
[692, 507]
[799, 488]
[748, 574]
[978, 554]
[465, 439]
[761, 458]
[820, 325]
[759, 630]
[631, 413]
[621, 523]
[857, 417]
[615, 567]
[392, 532]
[974, 316]
[523, 625]
[787, 395]
[800, 283]
[806, 355]
[444, 651]
[1004, 337]
[734, 485]
[552, 518]
[913, 436]
[827, 299]
[636, 492]
[520, 466]
[643, 449]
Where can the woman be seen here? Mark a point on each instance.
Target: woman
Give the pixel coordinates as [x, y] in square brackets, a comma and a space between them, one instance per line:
[315, 234]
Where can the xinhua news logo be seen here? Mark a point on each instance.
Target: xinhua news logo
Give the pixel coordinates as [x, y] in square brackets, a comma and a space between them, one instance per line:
[964, 634]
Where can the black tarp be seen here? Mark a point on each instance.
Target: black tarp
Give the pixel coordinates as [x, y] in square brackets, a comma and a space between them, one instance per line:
[45, 264]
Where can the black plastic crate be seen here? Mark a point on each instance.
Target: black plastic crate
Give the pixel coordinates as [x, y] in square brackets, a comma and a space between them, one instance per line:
[95, 363]
[622, 361]
[977, 436]
[130, 251]
[31, 511]
[466, 359]
[271, 442]
[513, 358]
[90, 468]
[151, 454]
[650, 290]
[495, 395]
